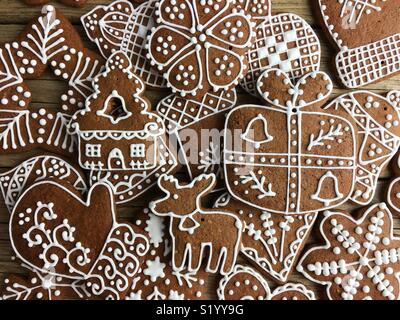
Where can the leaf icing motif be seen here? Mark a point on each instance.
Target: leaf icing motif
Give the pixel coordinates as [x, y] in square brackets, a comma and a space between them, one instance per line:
[258, 184]
[46, 41]
[11, 125]
[330, 135]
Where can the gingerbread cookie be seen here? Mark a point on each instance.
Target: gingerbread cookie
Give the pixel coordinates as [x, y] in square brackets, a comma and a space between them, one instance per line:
[368, 36]
[259, 10]
[360, 258]
[121, 27]
[286, 42]
[72, 3]
[272, 242]
[246, 284]
[40, 286]
[116, 130]
[55, 232]
[129, 185]
[48, 40]
[197, 231]
[377, 126]
[393, 195]
[40, 168]
[157, 280]
[291, 157]
[200, 46]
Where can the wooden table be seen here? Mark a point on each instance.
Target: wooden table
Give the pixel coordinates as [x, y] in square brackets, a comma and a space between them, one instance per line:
[46, 93]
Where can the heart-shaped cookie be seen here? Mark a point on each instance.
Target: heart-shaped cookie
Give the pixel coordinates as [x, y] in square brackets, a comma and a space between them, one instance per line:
[54, 231]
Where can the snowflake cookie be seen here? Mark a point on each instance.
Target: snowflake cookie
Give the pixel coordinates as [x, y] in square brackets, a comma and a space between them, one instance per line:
[156, 280]
[246, 284]
[272, 242]
[367, 34]
[291, 157]
[40, 168]
[198, 234]
[55, 232]
[360, 258]
[200, 45]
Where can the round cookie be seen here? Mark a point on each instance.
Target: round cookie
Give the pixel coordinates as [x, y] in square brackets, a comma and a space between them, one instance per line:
[246, 284]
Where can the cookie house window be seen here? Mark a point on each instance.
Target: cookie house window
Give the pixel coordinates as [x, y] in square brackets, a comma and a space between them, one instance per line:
[93, 150]
[137, 150]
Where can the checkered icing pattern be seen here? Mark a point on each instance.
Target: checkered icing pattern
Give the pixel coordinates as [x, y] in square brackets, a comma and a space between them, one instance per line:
[120, 26]
[363, 65]
[181, 112]
[286, 42]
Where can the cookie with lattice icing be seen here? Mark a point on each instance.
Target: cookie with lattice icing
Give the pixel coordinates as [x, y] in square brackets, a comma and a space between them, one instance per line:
[377, 126]
[120, 26]
[200, 46]
[359, 259]
[286, 42]
[367, 35]
[197, 124]
[56, 232]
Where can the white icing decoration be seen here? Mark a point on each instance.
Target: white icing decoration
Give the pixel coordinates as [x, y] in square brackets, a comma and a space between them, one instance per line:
[188, 226]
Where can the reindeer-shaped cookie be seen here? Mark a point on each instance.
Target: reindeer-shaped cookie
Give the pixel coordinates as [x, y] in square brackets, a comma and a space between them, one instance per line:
[196, 231]
[292, 157]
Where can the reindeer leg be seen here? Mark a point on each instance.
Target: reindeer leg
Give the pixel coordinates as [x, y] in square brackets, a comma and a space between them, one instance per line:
[179, 256]
[217, 258]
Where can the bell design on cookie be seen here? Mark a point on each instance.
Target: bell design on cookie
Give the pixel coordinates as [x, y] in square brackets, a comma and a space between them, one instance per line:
[306, 162]
[257, 132]
[325, 184]
[115, 130]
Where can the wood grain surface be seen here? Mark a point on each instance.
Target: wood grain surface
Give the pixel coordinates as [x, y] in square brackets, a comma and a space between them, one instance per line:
[46, 92]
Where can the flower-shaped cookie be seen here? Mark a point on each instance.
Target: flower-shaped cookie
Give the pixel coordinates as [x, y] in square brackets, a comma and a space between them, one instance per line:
[361, 258]
[200, 45]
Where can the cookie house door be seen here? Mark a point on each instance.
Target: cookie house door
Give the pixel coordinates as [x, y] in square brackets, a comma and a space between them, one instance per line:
[116, 160]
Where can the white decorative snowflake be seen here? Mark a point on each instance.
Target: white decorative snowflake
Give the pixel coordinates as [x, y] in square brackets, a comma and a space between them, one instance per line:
[155, 228]
[174, 295]
[155, 269]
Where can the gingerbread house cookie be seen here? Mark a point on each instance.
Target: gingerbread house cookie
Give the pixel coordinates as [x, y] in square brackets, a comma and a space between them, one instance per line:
[116, 130]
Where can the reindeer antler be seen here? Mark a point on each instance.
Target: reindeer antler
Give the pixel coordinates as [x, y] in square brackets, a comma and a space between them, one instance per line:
[276, 88]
